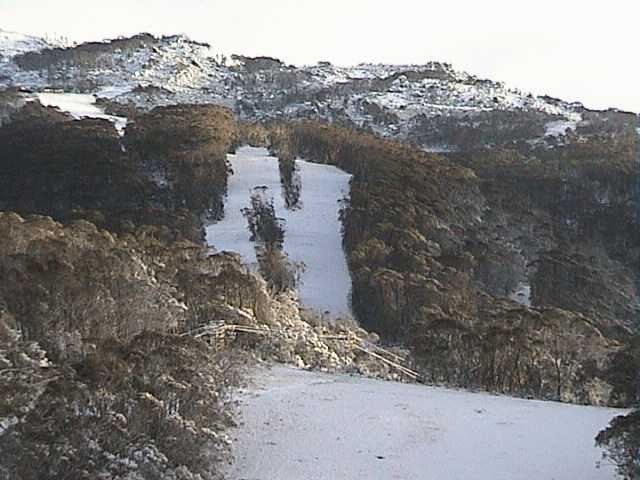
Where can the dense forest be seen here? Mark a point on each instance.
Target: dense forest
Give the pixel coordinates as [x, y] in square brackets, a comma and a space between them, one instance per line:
[105, 265]
[97, 378]
[434, 244]
[108, 367]
[508, 263]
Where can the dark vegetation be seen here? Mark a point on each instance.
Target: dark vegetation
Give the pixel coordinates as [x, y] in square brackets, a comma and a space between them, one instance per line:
[52, 165]
[173, 170]
[10, 102]
[88, 55]
[267, 231]
[621, 440]
[567, 215]
[98, 377]
[480, 129]
[265, 227]
[185, 148]
[425, 236]
[291, 183]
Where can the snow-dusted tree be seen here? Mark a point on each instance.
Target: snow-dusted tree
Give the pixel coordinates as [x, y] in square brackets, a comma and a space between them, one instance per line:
[267, 231]
[265, 227]
[622, 443]
[281, 273]
[621, 439]
[150, 409]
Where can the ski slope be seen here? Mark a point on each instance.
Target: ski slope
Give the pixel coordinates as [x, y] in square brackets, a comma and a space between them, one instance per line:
[299, 425]
[312, 232]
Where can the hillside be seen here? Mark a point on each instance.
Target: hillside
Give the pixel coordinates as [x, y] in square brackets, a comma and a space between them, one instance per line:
[486, 236]
[412, 102]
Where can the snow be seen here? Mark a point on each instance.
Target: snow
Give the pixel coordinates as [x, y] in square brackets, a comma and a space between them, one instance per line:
[522, 294]
[6, 423]
[559, 128]
[304, 425]
[438, 148]
[12, 43]
[187, 72]
[312, 233]
[80, 106]
[113, 91]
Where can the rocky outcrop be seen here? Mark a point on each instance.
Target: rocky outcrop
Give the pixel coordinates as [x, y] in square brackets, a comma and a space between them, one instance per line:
[86, 55]
[255, 64]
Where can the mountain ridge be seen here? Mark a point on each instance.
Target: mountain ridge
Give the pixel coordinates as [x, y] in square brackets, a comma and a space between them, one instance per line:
[390, 100]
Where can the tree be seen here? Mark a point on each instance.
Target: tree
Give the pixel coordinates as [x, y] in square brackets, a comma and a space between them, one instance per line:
[622, 438]
[622, 442]
[267, 230]
[265, 227]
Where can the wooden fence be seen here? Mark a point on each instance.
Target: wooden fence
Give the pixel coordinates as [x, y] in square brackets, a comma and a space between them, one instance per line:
[219, 332]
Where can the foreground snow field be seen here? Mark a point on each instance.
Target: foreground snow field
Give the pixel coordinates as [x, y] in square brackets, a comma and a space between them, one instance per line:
[303, 425]
[312, 232]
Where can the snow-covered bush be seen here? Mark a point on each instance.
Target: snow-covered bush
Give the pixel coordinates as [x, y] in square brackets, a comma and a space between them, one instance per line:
[152, 408]
[97, 379]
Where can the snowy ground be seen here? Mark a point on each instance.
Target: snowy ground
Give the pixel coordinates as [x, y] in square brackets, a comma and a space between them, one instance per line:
[80, 106]
[181, 71]
[303, 425]
[560, 128]
[13, 43]
[522, 294]
[312, 233]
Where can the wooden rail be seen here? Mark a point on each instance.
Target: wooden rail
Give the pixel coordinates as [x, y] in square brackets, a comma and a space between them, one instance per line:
[220, 331]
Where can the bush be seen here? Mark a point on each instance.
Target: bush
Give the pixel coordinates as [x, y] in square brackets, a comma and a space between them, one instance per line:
[622, 443]
[153, 408]
[280, 273]
[266, 229]
[418, 233]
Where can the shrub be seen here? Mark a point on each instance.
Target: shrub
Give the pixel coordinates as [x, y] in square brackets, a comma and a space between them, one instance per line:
[622, 442]
[266, 229]
[280, 273]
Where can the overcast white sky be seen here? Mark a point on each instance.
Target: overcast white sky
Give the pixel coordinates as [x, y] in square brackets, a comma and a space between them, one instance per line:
[577, 50]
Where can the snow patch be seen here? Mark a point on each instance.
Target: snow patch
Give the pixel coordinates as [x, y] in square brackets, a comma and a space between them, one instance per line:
[522, 294]
[438, 148]
[80, 106]
[112, 92]
[6, 423]
[559, 128]
[12, 43]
